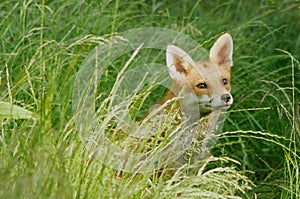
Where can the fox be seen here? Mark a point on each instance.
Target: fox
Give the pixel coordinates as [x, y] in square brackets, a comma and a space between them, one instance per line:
[203, 86]
[204, 92]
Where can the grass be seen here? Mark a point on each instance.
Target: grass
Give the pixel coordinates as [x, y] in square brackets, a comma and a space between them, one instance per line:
[43, 46]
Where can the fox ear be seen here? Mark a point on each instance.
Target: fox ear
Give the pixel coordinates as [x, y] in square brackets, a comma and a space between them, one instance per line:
[177, 61]
[221, 52]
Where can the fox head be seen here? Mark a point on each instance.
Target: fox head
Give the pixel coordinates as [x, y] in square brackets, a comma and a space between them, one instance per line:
[207, 82]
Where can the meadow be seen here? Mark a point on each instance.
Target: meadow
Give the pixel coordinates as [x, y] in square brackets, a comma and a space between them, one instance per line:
[44, 45]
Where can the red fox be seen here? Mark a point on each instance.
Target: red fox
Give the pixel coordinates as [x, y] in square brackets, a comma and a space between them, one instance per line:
[203, 86]
[203, 92]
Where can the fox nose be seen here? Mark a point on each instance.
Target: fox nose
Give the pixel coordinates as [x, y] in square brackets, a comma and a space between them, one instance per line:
[226, 98]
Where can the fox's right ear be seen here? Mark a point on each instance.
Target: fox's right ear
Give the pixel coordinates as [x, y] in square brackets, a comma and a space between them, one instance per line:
[178, 61]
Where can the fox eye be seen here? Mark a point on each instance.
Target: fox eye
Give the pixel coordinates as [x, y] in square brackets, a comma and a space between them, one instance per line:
[202, 85]
[225, 81]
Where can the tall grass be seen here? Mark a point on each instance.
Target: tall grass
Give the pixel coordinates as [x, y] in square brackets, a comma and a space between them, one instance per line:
[43, 44]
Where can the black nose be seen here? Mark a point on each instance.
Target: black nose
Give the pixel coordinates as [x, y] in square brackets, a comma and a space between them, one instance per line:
[226, 98]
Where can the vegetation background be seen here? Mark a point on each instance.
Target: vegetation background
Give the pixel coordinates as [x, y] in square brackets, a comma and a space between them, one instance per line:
[43, 44]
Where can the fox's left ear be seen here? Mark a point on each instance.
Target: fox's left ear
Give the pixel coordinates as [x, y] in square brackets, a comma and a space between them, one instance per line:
[221, 52]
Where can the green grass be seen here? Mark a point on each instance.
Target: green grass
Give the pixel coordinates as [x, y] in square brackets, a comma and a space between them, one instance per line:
[43, 46]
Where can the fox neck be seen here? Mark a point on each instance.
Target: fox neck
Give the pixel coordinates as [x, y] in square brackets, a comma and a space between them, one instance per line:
[169, 95]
